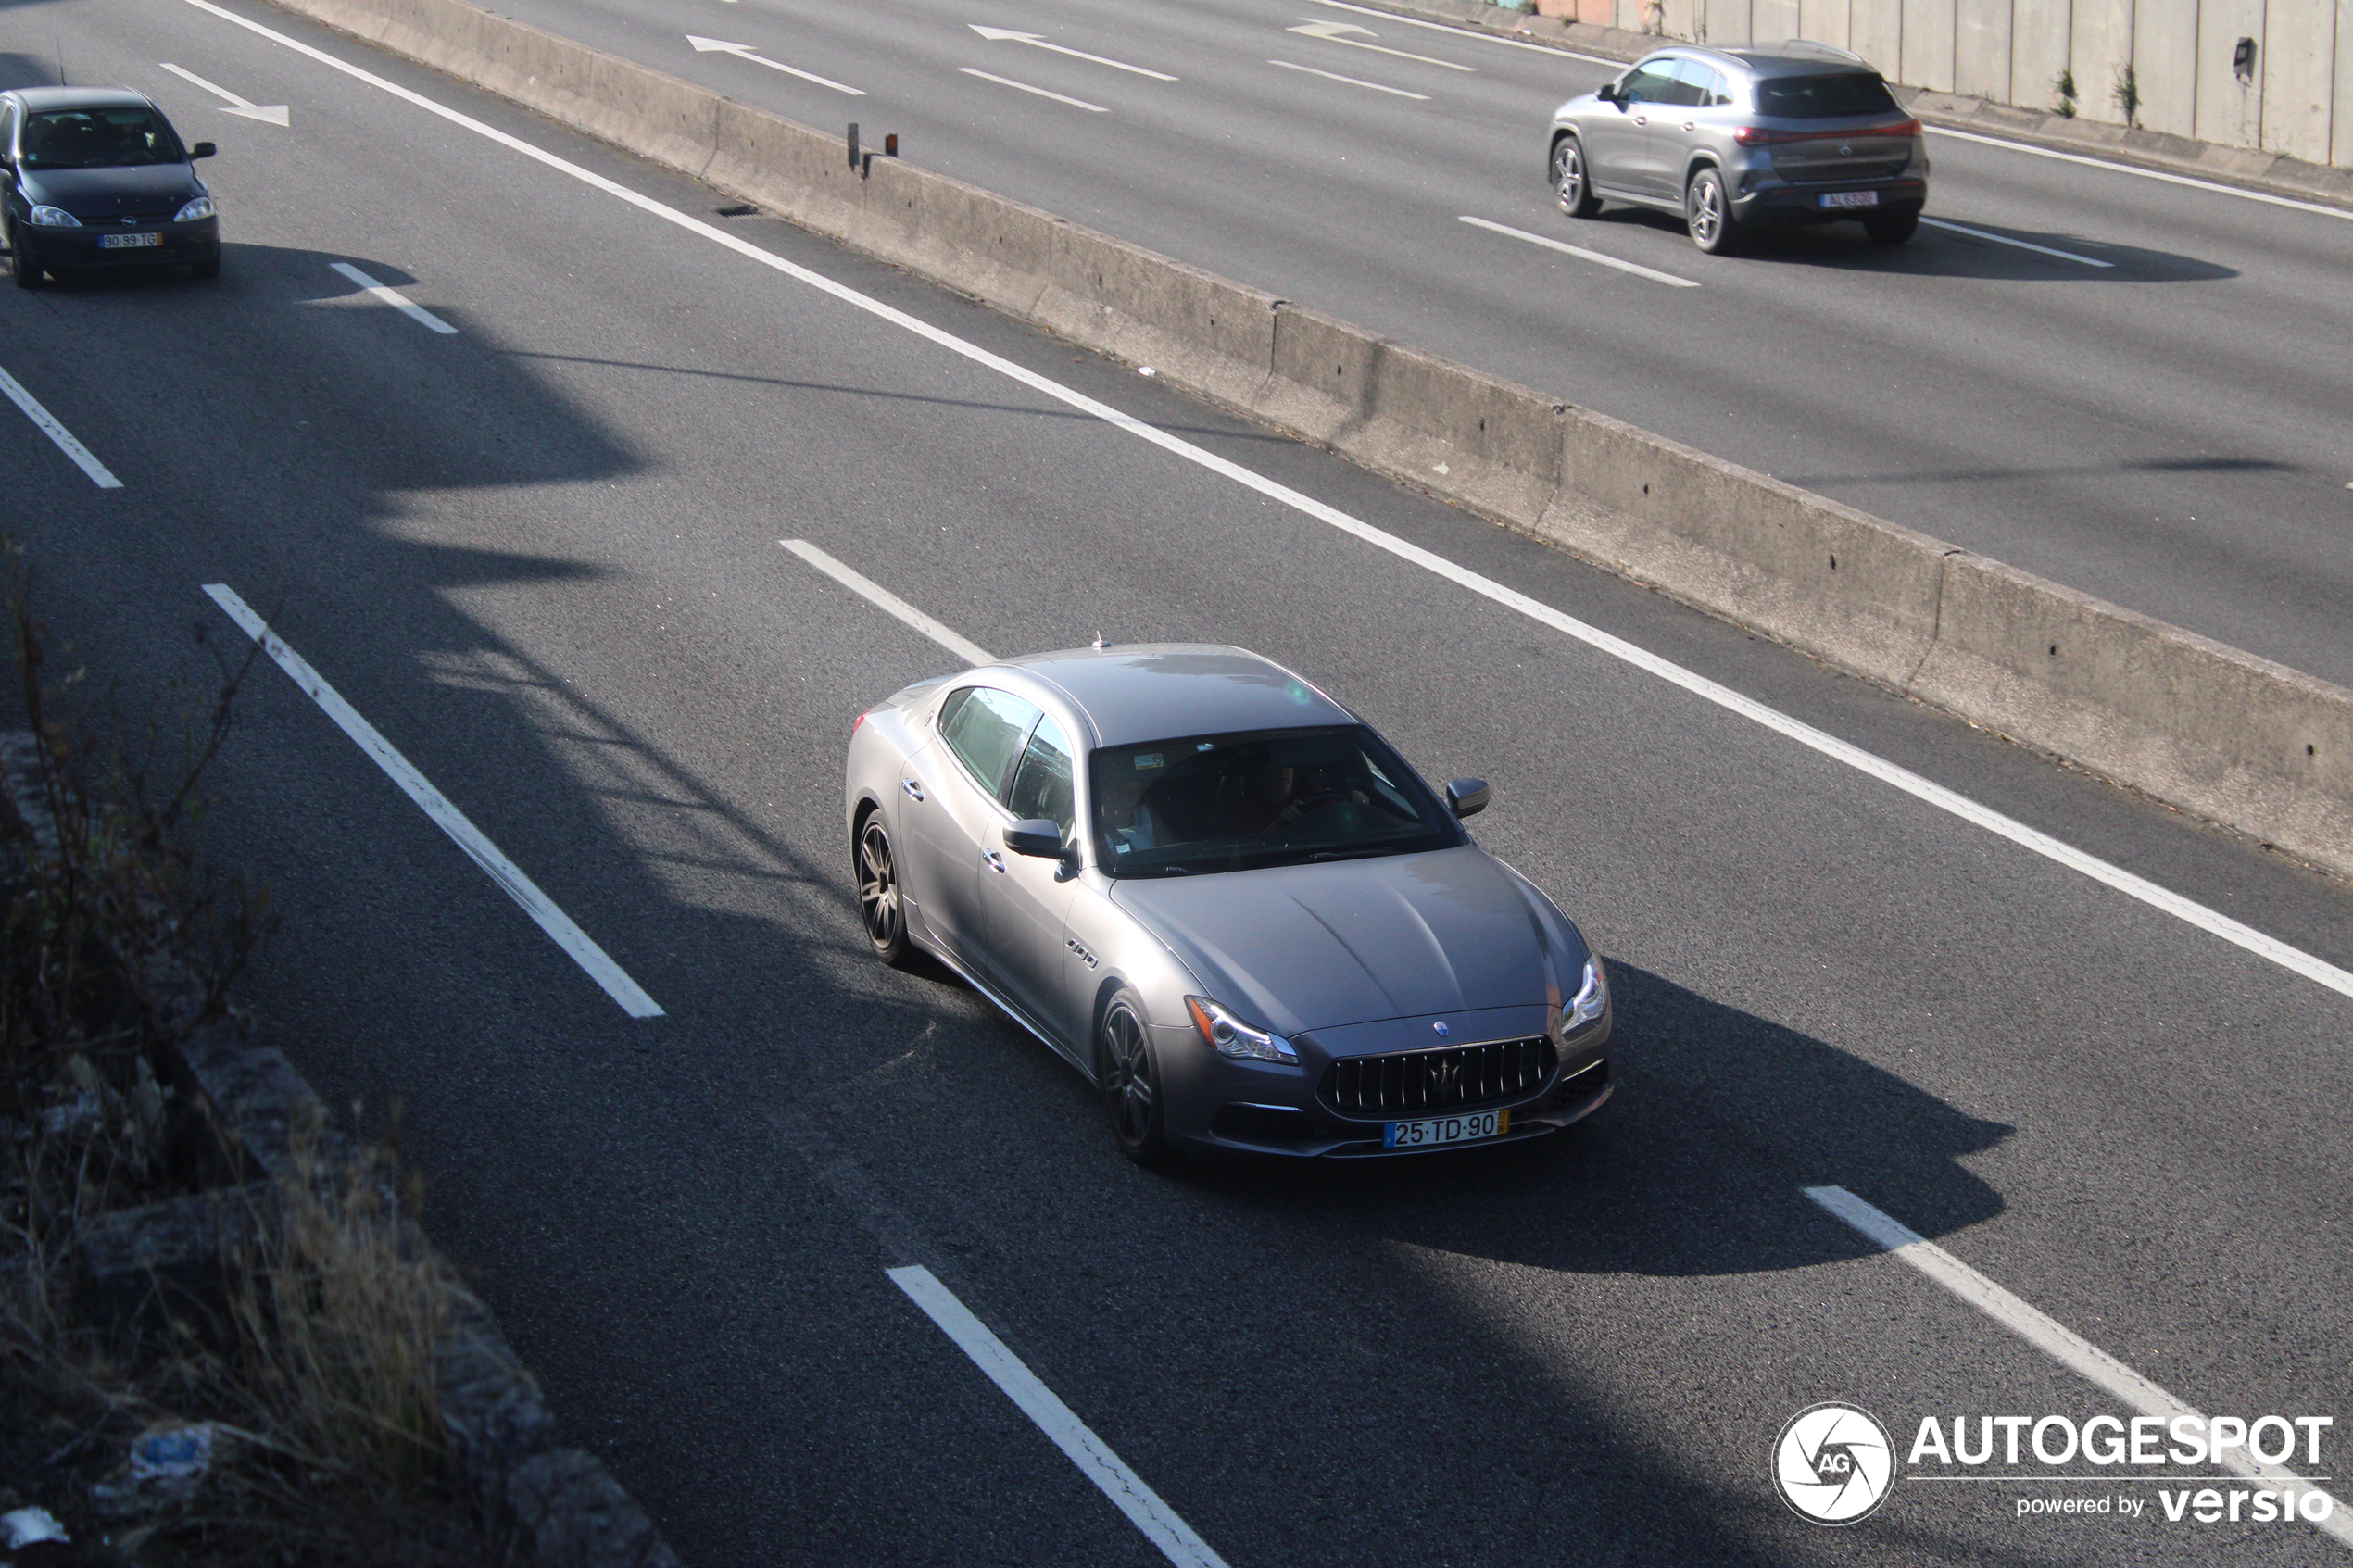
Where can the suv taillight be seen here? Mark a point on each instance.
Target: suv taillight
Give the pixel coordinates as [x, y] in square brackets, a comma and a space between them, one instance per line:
[1758, 136]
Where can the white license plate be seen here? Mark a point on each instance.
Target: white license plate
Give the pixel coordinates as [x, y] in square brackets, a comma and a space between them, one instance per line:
[128, 242]
[1851, 198]
[1446, 1129]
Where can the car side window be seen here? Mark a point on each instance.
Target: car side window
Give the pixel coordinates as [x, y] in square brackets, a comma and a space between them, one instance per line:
[1719, 92]
[1042, 783]
[985, 728]
[1689, 90]
[1649, 84]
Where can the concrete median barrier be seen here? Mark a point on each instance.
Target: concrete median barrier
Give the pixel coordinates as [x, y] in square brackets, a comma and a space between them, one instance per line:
[2237, 740]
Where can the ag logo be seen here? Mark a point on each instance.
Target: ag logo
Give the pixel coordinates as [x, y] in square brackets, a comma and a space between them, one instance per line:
[1833, 1463]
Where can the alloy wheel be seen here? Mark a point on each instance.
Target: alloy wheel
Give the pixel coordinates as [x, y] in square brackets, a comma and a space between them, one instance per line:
[1130, 1088]
[878, 891]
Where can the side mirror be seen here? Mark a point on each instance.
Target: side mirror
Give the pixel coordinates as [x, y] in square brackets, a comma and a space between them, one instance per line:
[1467, 797]
[202, 149]
[1037, 836]
[1606, 92]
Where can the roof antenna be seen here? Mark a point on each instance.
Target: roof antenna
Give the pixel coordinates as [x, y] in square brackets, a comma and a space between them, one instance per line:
[1098, 644]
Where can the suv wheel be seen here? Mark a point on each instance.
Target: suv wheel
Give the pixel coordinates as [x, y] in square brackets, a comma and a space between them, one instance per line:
[1708, 210]
[1570, 184]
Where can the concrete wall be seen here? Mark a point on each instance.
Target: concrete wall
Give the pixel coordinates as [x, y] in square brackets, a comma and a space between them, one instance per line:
[2298, 100]
[2341, 134]
[2206, 728]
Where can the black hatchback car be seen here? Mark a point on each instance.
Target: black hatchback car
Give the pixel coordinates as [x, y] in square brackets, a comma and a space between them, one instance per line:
[96, 177]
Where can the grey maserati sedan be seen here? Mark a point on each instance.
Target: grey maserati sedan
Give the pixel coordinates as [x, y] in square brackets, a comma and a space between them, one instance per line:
[1225, 899]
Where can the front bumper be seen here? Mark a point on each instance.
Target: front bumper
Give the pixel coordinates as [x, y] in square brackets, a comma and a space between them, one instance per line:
[176, 244]
[1211, 1102]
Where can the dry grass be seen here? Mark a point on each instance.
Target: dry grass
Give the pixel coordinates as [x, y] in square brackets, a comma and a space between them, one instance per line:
[313, 1370]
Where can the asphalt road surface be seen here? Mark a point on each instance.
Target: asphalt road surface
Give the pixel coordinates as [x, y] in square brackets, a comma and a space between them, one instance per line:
[540, 555]
[2149, 406]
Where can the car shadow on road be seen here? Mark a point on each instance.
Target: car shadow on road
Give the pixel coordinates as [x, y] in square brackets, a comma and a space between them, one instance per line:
[1695, 1167]
[1941, 252]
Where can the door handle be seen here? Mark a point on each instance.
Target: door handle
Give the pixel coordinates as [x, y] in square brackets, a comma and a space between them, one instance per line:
[996, 862]
[1687, 125]
[914, 788]
[1642, 120]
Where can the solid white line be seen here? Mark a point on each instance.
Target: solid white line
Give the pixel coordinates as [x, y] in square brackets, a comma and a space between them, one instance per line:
[972, 653]
[2132, 169]
[1095, 1460]
[1579, 251]
[1009, 81]
[2212, 922]
[415, 312]
[2006, 240]
[100, 475]
[1353, 81]
[1472, 33]
[2054, 1339]
[446, 817]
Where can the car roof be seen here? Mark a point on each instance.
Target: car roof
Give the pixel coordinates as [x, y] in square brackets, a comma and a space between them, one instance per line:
[41, 98]
[1161, 691]
[1797, 56]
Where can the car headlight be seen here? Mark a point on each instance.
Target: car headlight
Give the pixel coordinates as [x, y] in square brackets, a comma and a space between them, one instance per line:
[1592, 1000]
[55, 217]
[1229, 1037]
[200, 207]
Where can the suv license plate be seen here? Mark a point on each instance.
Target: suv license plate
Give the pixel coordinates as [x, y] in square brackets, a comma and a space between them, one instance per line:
[128, 242]
[1851, 198]
[1446, 1129]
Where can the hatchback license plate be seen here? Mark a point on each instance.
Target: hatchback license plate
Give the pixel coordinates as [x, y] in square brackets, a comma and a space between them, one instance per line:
[128, 242]
[1851, 198]
[1446, 1129]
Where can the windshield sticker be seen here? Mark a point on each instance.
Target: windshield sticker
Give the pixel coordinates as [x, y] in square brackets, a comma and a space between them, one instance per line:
[1147, 760]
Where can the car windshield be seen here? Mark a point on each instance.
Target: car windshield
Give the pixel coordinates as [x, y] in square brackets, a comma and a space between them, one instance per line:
[1221, 803]
[101, 138]
[1829, 95]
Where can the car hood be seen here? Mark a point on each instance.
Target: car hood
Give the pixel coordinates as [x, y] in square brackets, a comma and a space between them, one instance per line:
[1302, 948]
[106, 192]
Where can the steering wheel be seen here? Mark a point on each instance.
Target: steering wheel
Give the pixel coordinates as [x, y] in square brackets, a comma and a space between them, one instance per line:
[1297, 809]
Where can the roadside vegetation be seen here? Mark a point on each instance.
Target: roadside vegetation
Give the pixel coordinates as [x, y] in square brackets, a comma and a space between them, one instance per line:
[280, 1409]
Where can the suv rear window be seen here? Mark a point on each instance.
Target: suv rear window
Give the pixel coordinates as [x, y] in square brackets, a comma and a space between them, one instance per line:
[1831, 95]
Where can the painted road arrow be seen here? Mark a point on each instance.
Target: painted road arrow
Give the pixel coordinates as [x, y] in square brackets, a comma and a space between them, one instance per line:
[1335, 33]
[243, 109]
[720, 45]
[1038, 41]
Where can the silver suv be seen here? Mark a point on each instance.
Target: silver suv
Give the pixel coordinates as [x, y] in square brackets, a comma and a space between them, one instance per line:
[1795, 133]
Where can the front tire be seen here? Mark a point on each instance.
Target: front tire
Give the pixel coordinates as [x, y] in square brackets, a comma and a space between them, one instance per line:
[1572, 183]
[27, 269]
[880, 903]
[1891, 228]
[1129, 1076]
[208, 267]
[1707, 208]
